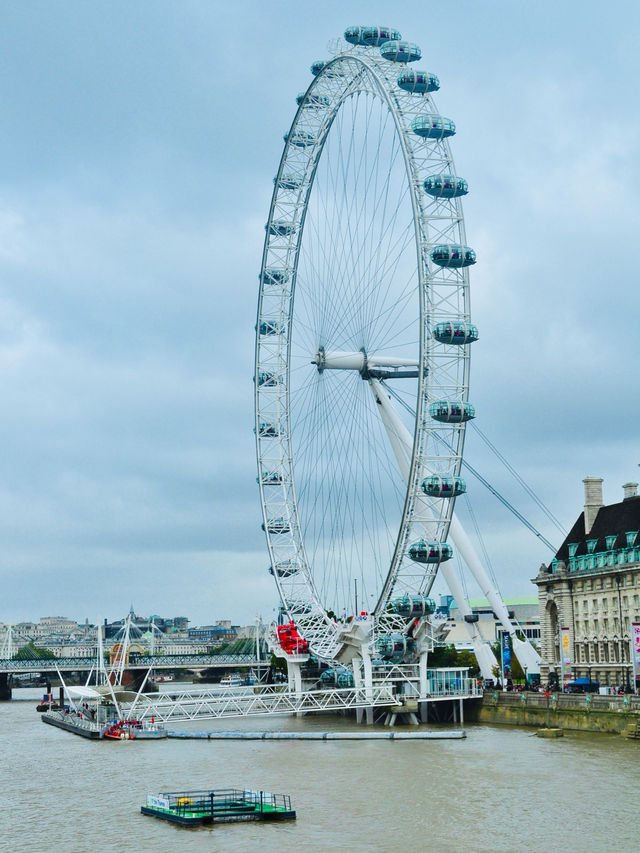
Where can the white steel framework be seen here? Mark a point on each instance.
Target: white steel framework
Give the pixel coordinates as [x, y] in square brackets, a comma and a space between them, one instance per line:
[350, 299]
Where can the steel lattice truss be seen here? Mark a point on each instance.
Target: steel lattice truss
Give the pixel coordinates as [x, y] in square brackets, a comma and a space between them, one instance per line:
[347, 266]
[210, 704]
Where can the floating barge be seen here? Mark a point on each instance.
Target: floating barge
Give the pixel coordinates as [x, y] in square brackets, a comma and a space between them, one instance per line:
[87, 727]
[227, 805]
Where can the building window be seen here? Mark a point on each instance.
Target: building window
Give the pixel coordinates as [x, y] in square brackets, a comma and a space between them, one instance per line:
[631, 537]
[611, 541]
[573, 547]
[591, 545]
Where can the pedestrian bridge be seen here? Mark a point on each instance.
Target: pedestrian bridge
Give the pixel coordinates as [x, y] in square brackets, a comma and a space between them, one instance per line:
[213, 703]
[73, 664]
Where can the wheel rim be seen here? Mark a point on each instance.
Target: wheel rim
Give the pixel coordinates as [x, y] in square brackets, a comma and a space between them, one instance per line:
[346, 266]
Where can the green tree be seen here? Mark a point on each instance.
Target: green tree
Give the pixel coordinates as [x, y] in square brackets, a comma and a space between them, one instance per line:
[32, 652]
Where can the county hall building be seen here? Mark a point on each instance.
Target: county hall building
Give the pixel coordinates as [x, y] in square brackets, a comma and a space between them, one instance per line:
[592, 587]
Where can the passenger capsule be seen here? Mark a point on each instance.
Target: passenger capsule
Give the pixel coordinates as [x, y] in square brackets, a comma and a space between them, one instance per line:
[353, 35]
[445, 186]
[375, 36]
[338, 677]
[414, 606]
[418, 82]
[430, 552]
[280, 228]
[289, 182]
[453, 255]
[317, 67]
[452, 411]
[400, 51]
[313, 100]
[443, 487]
[285, 568]
[394, 647]
[271, 478]
[299, 138]
[277, 525]
[433, 126]
[268, 430]
[271, 327]
[272, 276]
[455, 332]
[268, 380]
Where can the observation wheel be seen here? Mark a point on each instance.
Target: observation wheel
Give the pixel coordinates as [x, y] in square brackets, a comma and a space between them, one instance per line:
[362, 347]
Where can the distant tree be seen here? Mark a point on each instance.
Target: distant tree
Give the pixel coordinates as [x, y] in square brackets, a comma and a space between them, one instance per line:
[467, 658]
[32, 652]
[445, 655]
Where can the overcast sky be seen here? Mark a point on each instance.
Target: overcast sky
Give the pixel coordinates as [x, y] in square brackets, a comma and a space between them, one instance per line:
[137, 150]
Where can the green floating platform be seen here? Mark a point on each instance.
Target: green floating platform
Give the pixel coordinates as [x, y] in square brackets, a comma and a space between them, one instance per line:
[228, 805]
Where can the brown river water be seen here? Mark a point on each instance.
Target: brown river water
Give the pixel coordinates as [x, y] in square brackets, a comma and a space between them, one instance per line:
[500, 789]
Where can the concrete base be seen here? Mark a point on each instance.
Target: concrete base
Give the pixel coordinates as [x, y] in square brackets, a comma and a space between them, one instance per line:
[549, 733]
[6, 682]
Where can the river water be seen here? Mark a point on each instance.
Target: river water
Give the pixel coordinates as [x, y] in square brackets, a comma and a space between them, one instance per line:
[500, 789]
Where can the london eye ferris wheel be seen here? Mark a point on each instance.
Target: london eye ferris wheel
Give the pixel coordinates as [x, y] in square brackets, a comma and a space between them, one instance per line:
[363, 340]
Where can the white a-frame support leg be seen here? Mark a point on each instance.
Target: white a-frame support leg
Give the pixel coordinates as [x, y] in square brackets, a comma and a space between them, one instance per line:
[402, 443]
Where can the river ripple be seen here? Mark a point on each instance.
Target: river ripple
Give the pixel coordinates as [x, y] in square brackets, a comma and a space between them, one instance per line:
[501, 789]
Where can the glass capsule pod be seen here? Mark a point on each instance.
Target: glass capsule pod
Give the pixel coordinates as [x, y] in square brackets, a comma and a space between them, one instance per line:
[313, 100]
[353, 35]
[414, 606]
[272, 276]
[299, 138]
[418, 82]
[375, 36]
[317, 67]
[268, 430]
[271, 327]
[338, 677]
[280, 228]
[445, 186]
[443, 487]
[430, 552]
[271, 478]
[277, 525]
[285, 568]
[455, 332]
[432, 126]
[394, 647]
[400, 51]
[289, 182]
[452, 411]
[453, 255]
[268, 380]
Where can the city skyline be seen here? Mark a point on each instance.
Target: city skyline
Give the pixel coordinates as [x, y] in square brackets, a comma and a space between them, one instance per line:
[138, 158]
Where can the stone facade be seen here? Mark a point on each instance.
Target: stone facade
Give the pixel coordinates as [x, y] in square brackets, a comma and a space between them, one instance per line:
[592, 587]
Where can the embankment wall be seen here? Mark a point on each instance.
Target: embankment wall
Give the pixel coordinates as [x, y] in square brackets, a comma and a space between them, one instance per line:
[589, 713]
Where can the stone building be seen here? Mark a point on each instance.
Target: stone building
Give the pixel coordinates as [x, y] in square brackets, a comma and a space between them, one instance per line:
[523, 610]
[592, 587]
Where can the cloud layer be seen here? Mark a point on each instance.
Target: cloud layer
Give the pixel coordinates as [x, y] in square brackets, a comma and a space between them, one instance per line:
[136, 155]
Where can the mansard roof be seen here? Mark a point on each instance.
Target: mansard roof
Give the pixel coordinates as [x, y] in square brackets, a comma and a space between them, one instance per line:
[613, 520]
